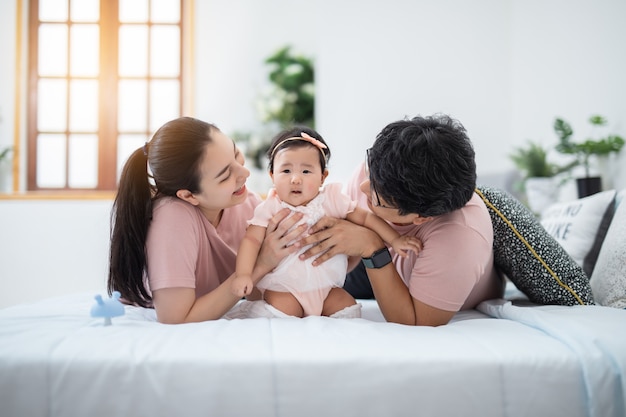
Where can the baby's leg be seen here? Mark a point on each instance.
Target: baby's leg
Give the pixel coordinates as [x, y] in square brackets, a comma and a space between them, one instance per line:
[337, 300]
[284, 302]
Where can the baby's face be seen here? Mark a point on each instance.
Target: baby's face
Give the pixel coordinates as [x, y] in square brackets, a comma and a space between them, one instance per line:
[298, 175]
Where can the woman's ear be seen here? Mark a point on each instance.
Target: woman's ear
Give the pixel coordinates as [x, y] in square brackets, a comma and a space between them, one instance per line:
[187, 196]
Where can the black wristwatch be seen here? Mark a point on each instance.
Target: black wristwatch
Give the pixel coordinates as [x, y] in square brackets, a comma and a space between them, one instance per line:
[378, 259]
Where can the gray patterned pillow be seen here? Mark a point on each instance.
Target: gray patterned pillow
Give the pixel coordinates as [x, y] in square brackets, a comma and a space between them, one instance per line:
[530, 257]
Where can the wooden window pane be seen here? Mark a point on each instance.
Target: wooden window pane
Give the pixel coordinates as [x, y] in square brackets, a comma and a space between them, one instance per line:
[106, 73]
[52, 55]
[85, 10]
[51, 161]
[165, 11]
[53, 10]
[165, 51]
[52, 102]
[164, 102]
[84, 105]
[83, 161]
[85, 50]
[133, 47]
[132, 106]
[133, 11]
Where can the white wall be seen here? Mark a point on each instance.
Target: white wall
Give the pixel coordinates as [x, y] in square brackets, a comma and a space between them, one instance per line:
[7, 86]
[50, 248]
[504, 68]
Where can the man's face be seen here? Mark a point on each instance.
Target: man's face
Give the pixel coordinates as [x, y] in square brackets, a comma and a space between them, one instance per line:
[384, 209]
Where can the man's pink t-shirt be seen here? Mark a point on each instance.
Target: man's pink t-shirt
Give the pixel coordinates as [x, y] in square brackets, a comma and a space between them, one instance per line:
[455, 270]
[185, 250]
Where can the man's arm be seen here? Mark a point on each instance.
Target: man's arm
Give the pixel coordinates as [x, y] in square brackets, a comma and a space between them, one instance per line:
[397, 304]
[332, 236]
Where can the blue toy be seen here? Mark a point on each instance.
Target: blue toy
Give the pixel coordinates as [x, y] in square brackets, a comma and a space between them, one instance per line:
[108, 308]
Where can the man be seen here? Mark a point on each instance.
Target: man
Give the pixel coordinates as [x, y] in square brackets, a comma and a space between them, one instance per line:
[420, 176]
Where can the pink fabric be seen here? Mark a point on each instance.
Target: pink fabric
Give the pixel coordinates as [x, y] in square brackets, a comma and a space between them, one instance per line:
[455, 269]
[331, 201]
[309, 284]
[185, 250]
[312, 302]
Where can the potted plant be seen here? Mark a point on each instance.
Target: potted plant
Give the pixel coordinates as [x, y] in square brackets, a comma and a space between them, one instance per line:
[600, 147]
[289, 100]
[538, 174]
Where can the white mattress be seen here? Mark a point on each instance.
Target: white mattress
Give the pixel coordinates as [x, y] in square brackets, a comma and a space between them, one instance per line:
[504, 360]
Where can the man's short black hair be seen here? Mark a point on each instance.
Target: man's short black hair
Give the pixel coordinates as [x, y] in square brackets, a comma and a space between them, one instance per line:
[424, 165]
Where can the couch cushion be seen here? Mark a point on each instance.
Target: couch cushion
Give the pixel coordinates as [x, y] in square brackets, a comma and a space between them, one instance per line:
[608, 280]
[531, 258]
[581, 225]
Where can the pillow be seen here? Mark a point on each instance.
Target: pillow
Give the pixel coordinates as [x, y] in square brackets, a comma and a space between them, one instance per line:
[581, 225]
[608, 280]
[530, 257]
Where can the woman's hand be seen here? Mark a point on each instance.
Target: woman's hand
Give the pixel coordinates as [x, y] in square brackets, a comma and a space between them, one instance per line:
[331, 236]
[276, 244]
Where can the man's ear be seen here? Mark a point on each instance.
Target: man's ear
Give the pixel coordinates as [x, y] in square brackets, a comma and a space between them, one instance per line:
[187, 196]
[421, 220]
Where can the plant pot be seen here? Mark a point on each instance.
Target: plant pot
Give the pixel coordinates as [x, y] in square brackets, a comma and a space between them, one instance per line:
[541, 192]
[588, 186]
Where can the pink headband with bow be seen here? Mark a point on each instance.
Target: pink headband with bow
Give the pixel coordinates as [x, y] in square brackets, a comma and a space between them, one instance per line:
[305, 137]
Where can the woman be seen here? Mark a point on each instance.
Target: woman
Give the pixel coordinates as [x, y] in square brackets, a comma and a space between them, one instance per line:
[178, 218]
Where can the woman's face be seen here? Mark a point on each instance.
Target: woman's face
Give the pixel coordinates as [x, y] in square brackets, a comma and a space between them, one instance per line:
[222, 176]
[297, 174]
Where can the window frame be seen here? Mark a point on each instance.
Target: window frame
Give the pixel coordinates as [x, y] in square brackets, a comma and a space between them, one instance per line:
[108, 79]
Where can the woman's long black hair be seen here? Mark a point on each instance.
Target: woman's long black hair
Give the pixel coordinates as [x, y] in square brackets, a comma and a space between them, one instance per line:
[173, 157]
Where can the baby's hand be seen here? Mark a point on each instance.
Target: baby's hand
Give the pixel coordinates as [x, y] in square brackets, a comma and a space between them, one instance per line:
[403, 243]
[242, 285]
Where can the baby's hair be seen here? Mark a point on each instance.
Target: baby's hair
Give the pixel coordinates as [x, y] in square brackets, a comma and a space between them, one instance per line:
[280, 142]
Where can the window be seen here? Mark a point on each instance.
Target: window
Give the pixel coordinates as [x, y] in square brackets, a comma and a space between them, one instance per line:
[103, 76]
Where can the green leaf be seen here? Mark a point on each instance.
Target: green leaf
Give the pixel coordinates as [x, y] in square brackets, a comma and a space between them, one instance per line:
[591, 146]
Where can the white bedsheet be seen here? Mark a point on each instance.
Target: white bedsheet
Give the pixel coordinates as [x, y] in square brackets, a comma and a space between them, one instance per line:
[504, 360]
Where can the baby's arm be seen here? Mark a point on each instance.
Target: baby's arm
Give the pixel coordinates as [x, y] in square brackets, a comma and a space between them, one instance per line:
[246, 259]
[399, 243]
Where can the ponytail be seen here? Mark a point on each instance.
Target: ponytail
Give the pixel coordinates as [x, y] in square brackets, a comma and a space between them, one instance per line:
[130, 218]
[174, 153]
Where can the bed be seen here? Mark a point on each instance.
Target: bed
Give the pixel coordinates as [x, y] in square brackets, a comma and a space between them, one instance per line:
[508, 357]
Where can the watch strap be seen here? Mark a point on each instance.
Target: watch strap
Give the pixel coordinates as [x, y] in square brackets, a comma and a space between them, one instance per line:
[378, 259]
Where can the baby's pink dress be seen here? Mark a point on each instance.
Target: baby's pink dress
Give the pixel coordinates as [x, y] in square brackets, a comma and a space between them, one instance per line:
[309, 284]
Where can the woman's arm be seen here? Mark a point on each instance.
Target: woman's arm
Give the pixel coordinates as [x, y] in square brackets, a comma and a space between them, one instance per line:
[180, 305]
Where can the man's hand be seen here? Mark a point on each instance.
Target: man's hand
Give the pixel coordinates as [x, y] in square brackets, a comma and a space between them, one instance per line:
[331, 236]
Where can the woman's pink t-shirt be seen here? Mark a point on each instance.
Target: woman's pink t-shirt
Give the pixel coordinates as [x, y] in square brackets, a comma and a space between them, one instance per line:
[185, 250]
[455, 270]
